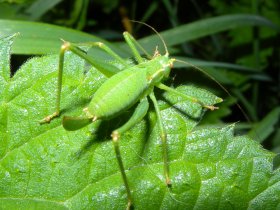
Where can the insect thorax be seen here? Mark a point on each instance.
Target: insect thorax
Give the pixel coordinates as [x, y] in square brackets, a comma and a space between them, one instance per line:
[158, 68]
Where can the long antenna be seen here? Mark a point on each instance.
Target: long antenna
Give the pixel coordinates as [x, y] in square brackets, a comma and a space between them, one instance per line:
[220, 85]
[161, 38]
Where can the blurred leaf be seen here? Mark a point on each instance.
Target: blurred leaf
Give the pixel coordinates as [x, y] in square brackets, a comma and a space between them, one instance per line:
[149, 12]
[268, 9]
[47, 167]
[201, 28]
[276, 141]
[223, 77]
[266, 126]
[11, 11]
[276, 161]
[107, 5]
[79, 14]
[40, 7]
[16, 1]
[41, 38]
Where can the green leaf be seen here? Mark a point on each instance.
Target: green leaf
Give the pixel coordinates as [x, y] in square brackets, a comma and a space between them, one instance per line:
[41, 38]
[206, 27]
[47, 167]
[40, 7]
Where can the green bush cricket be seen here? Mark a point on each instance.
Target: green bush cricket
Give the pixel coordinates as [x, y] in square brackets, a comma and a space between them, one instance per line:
[132, 85]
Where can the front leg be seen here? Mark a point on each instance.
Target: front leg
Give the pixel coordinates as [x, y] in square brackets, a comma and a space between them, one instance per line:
[48, 118]
[107, 70]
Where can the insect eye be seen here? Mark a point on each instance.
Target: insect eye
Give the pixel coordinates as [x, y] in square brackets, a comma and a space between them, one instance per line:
[171, 63]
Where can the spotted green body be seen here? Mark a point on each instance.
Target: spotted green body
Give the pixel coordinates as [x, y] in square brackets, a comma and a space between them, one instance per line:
[125, 89]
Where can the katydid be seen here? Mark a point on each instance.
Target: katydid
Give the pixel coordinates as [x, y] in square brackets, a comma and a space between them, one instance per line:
[132, 85]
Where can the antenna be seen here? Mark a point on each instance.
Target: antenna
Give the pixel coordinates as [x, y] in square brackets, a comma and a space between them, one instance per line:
[220, 85]
[165, 47]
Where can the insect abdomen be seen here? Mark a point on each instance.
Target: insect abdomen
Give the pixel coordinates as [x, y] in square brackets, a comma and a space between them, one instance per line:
[118, 93]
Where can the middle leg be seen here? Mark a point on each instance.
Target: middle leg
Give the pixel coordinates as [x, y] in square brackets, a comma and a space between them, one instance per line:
[138, 115]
